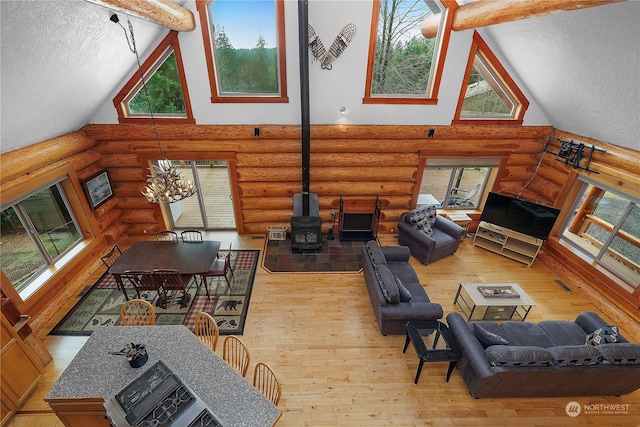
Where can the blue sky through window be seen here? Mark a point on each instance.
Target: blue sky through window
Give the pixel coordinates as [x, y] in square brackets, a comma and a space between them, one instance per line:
[244, 21]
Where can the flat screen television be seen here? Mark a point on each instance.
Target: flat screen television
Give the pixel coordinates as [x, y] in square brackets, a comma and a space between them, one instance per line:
[524, 217]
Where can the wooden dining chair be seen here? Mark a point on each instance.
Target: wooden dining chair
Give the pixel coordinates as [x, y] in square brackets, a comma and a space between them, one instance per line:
[141, 280]
[236, 354]
[206, 330]
[220, 268]
[169, 280]
[111, 256]
[266, 382]
[191, 236]
[167, 236]
[137, 312]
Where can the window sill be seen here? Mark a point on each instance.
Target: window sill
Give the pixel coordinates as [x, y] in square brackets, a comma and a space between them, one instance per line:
[51, 272]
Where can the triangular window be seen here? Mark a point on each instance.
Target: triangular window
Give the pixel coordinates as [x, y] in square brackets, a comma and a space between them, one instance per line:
[489, 94]
[166, 87]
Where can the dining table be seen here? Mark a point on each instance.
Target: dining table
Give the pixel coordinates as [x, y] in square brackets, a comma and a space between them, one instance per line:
[188, 258]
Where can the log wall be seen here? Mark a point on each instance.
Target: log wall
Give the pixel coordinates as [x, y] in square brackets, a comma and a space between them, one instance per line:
[347, 161]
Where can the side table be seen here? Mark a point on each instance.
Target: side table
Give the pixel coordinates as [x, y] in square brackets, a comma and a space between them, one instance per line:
[425, 336]
[462, 219]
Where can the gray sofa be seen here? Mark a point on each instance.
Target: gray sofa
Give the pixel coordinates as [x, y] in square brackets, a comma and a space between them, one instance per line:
[429, 236]
[394, 288]
[547, 359]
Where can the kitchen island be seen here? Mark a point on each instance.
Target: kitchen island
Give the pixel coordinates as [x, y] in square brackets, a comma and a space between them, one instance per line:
[95, 376]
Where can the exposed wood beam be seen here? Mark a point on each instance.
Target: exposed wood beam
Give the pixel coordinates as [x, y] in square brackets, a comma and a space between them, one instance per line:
[490, 12]
[162, 12]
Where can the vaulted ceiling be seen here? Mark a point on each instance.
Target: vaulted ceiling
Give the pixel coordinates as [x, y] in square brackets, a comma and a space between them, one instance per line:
[62, 61]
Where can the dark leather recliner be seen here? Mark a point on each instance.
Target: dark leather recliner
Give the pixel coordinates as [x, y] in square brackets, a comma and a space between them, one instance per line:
[444, 239]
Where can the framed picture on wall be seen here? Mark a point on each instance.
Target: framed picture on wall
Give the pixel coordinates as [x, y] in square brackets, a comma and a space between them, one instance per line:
[98, 189]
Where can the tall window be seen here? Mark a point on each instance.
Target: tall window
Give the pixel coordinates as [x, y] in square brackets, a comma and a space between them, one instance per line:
[245, 49]
[605, 225]
[457, 184]
[36, 232]
[404, 65]
[488, 93]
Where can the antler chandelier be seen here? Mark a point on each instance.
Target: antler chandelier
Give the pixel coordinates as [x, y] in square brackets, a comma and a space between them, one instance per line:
[165, 184]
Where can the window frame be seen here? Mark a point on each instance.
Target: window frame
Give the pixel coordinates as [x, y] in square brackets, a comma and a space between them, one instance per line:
[598, 252]
[494, 164]
[501, 77]
[168, 45]
[435, 78]
[61, 184]
[202, 6]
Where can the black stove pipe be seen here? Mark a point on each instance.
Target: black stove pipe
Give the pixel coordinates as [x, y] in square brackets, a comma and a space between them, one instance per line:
[303, 25]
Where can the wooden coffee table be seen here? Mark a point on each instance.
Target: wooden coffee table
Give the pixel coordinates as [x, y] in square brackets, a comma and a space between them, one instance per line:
[476, 306]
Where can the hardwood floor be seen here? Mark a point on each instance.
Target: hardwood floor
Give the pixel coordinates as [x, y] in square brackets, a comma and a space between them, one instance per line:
[318, 332]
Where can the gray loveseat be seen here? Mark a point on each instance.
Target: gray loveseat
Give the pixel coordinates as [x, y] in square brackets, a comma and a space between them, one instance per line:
[547, 359]
[395, 291]
[429, 236]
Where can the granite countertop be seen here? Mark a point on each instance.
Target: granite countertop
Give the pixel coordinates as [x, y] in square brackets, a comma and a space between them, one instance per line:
[96, 373]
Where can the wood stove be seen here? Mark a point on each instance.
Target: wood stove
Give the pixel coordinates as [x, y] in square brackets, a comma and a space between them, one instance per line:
[306, 227]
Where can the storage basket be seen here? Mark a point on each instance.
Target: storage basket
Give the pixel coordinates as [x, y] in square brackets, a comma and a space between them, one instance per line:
[277, 232]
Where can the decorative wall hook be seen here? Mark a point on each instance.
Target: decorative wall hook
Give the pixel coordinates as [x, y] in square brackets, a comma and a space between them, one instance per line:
[578, 155]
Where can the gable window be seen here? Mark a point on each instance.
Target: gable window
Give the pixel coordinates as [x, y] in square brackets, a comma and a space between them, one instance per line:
[458, 183]
[404, 65]
[605, 225]
[245, 50]
[488, 94]
[166, 86]
[37, 231]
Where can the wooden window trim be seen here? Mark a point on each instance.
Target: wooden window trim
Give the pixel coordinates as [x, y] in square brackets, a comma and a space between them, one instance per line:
[201, 6]
[479, 46]
[443, 47]
[120, 100]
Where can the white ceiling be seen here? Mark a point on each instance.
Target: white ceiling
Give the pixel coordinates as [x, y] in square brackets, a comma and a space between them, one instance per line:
[62, 61]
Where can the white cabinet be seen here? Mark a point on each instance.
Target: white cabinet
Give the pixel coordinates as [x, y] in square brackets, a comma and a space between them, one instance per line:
[507, 242]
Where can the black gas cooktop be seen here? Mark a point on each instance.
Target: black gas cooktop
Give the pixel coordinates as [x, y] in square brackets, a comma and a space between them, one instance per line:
[158, 398]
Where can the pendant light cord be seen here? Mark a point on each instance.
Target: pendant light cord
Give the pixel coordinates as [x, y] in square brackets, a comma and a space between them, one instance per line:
[132, 47]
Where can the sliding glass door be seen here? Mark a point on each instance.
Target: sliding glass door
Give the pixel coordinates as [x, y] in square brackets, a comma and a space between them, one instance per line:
[212, 206]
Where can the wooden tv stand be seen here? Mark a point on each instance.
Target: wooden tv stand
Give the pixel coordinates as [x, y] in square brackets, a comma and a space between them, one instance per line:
[507, 242]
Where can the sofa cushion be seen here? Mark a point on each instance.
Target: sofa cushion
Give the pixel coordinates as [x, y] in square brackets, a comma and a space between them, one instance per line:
[563, 332]
[375, 253]
[606, 334]
[620, 353]
[487, 338]
[405, 295]
[518, 356]
[526, 333]
[387, 283]
[569, 355]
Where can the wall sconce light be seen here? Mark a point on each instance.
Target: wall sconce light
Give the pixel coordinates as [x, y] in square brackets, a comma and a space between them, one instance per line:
[343, 111]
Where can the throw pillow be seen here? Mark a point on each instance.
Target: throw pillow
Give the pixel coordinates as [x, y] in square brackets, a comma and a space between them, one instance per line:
[387, 283]
[375, 253]
[518, 356]
[428, 230]
[486, 338]
[405, 295]
[606, 334]
[431, 213]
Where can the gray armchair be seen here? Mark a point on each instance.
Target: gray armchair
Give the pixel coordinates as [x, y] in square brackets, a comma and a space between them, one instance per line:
[429, 237]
